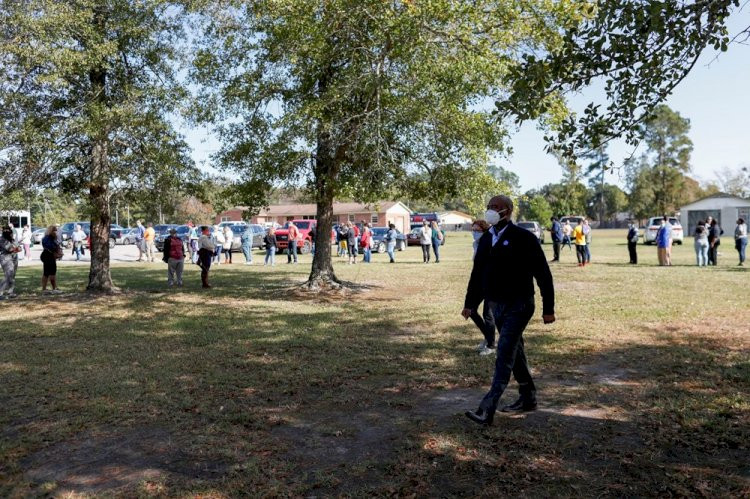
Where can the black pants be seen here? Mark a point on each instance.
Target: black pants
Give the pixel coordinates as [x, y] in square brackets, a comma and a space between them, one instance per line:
[426, 252]
[511, 319]
[556, 250]
[713, 254]
[486, 322]
[633, 252]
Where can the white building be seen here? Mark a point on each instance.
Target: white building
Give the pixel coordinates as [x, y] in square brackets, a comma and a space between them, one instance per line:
[18, 218]
[455, 220]
[724, 208]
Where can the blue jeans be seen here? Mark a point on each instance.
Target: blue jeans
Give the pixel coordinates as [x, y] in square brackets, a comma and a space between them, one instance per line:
[78, 248]
[390, 248]
[248, 252]
[271, 255]
[436, 248]
[701, 254]
[217, 253]
[291, 252]
[511, 318]
[368, 255]
[588, 253]
[741, 245]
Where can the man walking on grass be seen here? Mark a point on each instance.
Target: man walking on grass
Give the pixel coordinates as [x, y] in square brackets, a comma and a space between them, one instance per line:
[556, 232]
[508, 260]
[664, 243]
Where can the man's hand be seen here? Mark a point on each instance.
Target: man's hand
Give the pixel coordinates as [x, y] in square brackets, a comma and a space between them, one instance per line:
[548, 319]
[466, 313]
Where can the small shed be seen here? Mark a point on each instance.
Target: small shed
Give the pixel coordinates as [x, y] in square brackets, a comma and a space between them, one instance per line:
[724, 208]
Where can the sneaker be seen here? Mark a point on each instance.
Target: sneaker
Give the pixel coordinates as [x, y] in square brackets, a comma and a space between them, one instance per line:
[487, 351]
[248, 263]
[56, 292]
[46, 291]
[481, 346]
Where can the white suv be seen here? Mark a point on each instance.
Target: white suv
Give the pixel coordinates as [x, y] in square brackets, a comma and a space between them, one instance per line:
[649, 232]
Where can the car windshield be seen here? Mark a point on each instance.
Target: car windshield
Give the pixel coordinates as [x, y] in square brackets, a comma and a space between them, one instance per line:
[527, 225]
[68, 226]
[300, 225]
[379, 231]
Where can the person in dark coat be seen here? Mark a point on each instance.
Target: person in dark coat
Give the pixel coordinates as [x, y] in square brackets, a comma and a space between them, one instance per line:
[633, 242]
[557, 236]
[714, 240]
[507, 262]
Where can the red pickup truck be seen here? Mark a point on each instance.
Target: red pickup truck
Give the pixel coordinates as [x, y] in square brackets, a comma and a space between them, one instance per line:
[304, 241]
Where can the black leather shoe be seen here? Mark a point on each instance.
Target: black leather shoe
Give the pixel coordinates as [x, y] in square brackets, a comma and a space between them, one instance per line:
[480, 417]
[520, 405]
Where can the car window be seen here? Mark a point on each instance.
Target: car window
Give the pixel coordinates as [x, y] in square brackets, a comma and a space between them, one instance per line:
[379, 231]
[526, 225]
[303, 225]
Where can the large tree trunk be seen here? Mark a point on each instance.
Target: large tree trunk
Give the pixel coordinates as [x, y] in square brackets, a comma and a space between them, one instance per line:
[100, 278]
[325, 171]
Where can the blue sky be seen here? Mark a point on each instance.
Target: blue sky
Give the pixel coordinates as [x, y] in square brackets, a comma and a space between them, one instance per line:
[715, 97]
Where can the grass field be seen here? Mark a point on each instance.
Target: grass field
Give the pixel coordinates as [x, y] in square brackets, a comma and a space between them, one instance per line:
[255, 388]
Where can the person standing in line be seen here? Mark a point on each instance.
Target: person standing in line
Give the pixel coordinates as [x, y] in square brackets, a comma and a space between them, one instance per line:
[740, 239]
[26, 242]
[148, 240]
[351, 243]
[291, 247]
[193, 242]
[269, 241]
[139, 233]
[633, 242]
[390, 241]
[343, 234]
[580, 241]
[247, 244]
[567, 235]
[174, 257]
[425, 240]
[228, 242]
[366, 242]
[218, 240]
[51, 252]
[556, 231]
[206, 253]
[701, 244]
[78, 237]
[9, 250]
[437, 239]
[313, 234]
[508, 261]
[587, 233]
[353, 227]
[714, 241]
[663, 237]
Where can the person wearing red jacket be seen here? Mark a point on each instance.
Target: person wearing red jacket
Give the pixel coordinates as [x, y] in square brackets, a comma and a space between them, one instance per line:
[365, 242]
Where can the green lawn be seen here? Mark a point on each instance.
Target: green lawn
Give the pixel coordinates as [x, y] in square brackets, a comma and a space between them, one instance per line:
[256, 388]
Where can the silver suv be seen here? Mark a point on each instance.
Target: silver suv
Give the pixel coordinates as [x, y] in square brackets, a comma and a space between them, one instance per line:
[649, 232]
[534, 228]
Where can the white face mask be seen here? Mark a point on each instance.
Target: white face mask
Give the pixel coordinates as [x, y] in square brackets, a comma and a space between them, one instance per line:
[477, 235]
[493, 217]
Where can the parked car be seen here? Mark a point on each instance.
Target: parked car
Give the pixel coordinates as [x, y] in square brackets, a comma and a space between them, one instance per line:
[652, 227]
[129, 236]
[183, 231]
[67, 230]
[378, 240]
[117, 233]
[413, 238]
[304, 241]
[37, 235]
[572, 219]
[233, 223]
[534, 228]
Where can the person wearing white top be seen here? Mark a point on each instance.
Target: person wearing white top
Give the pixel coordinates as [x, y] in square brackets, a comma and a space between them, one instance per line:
[740, 239]
[228, 240]
[219, 243]
[26, 242]
[425, 239]
[78, 236]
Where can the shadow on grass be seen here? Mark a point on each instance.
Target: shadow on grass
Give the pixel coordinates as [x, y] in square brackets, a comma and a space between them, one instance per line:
[233, 389]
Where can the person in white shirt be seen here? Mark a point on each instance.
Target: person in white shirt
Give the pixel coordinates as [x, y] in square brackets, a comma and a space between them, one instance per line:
[78, 237]
[219, 243]
[228, 241]
[425, 240]
[206, 251]
[26, 242]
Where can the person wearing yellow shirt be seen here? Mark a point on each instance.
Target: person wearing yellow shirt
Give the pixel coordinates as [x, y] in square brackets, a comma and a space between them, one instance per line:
[148, 238]
[580, 239]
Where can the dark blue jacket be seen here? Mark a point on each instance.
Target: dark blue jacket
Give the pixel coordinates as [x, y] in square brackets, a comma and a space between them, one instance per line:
[556, 232]
[506, 271]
